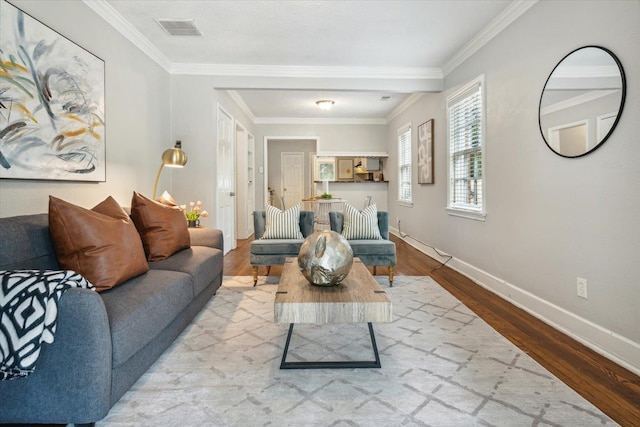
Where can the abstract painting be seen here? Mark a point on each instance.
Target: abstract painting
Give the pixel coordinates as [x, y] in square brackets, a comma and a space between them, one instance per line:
[425, 153]
[52, 122]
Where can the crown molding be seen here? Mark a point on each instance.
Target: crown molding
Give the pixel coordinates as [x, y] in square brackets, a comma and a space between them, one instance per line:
[109, 14]
[243, 105]
[403, 106]
[499, 23]
[317, 121]
[586, 72]
[575, 101]
[304, 71]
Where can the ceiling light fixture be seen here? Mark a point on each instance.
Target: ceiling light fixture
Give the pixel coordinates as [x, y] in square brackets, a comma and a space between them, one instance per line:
[325, 104]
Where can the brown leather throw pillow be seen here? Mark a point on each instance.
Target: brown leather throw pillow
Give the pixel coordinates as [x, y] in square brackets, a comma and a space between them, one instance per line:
[102, 244]
[163, 229]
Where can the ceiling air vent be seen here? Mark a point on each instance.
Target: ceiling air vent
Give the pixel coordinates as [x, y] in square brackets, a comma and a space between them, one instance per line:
[385, 98]
[179, 27]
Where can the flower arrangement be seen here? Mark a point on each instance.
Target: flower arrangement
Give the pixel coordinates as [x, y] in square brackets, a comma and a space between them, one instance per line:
[195, 211]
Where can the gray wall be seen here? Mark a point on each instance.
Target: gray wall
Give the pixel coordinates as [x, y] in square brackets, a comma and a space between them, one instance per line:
[550, 219]
[137, 115]
[276, 148]
[194, 104]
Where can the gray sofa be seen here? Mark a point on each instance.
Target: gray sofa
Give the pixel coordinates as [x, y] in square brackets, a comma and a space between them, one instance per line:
[371, 252]
[270, 252]
[104, 341]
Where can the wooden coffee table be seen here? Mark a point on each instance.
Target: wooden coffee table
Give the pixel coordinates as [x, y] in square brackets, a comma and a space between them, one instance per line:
[358, 299]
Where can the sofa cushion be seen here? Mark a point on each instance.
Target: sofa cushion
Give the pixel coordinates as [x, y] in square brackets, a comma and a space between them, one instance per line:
[141, 308]
[361, 224]
[282, 224]
[163, 229]
[203, 264]
[101, 244]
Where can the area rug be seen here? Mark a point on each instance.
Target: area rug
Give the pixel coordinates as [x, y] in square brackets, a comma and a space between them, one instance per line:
[441, 366]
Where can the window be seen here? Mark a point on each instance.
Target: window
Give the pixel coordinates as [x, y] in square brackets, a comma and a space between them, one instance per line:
[465, 116]
[404, 164]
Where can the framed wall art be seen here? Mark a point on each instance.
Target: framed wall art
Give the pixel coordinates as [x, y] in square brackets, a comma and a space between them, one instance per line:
[52, 103]
[425, 153]
[325, 169]
[345, 169]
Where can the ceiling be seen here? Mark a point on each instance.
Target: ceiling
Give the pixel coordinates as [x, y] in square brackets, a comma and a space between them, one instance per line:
[278, 57]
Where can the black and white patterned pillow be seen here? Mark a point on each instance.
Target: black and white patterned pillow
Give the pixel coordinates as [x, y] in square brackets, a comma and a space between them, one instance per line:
[282, 224]
[361, 225]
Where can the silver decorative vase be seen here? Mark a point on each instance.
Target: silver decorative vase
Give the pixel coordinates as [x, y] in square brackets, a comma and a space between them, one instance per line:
[325, 258]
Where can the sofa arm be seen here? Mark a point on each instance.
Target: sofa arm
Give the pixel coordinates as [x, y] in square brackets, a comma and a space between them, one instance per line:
[210, 237]
[72, 379]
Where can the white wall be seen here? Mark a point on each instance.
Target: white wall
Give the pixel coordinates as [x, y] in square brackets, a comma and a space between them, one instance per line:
[137, 115]
[550, 219]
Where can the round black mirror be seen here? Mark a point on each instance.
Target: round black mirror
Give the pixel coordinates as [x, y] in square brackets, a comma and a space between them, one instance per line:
[582, 101]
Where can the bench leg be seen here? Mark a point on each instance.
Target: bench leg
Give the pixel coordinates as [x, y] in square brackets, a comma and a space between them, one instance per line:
[268, 269]
[390, 275]
[255, 274]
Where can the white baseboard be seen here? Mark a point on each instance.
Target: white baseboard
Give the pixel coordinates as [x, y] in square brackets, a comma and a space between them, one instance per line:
[617, 348]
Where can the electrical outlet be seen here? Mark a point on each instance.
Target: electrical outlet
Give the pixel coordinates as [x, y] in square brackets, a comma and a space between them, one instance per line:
[582, 288]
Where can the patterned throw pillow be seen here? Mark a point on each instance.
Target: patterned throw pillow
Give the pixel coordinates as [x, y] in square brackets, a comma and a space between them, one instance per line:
[361, 225]
[282, 224]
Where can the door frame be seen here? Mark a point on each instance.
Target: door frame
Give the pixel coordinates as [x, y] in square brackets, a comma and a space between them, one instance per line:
[265, 160]
[234, 242]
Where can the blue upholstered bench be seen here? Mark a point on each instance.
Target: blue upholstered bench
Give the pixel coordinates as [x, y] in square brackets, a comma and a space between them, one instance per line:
[273, 251]
[371, 252]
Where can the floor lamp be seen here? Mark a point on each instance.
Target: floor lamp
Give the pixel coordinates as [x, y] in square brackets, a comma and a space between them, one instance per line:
[173, 158]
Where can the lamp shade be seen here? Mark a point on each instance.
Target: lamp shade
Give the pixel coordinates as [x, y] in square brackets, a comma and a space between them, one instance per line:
[173, 158]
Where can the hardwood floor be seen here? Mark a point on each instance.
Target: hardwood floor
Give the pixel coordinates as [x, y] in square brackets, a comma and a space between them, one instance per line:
[613, 389]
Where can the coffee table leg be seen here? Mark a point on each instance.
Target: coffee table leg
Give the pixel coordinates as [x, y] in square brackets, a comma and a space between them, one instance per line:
[286, 348]
[349, 364]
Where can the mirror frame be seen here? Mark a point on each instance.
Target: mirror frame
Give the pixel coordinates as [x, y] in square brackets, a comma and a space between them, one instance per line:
[622, 99]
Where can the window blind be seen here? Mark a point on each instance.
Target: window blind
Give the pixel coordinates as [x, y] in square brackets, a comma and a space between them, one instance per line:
[466, 184]
[404, 164]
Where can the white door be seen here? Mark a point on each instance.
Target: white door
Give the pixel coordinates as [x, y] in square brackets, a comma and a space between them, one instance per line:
[292, 178]
[226, 180]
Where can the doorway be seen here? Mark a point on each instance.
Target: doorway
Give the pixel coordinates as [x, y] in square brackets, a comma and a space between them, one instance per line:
[274, 148]
[226, 215]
